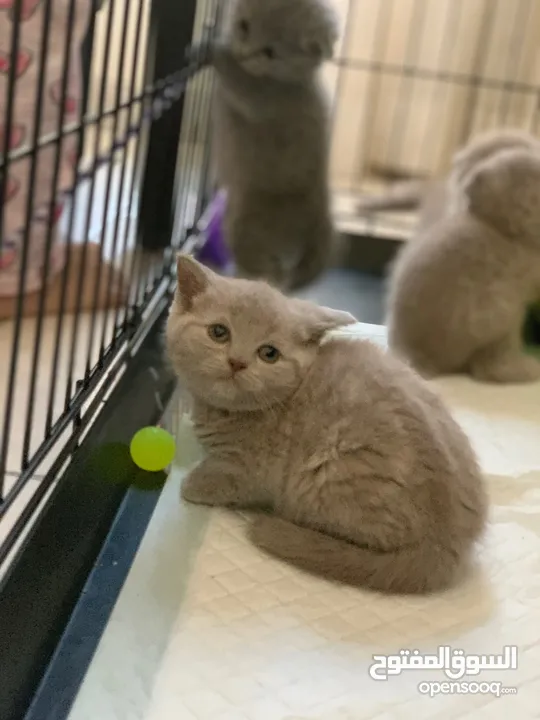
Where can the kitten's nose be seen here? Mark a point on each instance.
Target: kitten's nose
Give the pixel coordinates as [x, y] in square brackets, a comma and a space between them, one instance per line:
[237, 365]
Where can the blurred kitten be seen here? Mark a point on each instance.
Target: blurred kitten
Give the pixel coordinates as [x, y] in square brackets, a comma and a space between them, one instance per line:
[459, 292]
[435, 198]
[272, 137]
[368, 479]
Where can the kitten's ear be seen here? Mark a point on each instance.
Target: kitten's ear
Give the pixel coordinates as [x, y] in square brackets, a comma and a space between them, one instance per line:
[316, 320]
[476, 184]
[320, 39]
[487, 186]
[193, 279]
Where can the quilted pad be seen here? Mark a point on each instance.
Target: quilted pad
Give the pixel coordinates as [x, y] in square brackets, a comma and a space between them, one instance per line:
[207, 628]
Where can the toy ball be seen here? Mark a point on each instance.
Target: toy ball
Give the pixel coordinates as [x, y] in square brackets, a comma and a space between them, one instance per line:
[152, 449]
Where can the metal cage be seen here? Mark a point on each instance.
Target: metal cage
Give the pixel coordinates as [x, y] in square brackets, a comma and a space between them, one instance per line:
[90, 254]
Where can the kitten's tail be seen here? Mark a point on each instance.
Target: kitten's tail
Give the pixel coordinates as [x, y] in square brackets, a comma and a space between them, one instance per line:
[402, 196]
[412, 570]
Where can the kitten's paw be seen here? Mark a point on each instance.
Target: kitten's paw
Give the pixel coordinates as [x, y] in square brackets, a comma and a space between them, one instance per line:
[209, 485]
[520, 369]
[206, 488]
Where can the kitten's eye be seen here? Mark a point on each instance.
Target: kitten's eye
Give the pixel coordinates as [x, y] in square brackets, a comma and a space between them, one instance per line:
[219, 333]
[243, 25]
[268, 354]
[269, 52]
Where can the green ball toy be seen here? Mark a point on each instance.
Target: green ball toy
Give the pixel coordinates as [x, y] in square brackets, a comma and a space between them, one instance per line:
[152, 449]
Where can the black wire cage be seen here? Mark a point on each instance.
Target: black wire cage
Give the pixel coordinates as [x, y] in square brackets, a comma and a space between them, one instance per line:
[104, 171]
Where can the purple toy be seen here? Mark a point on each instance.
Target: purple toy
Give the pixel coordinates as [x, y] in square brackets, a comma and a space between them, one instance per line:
[213, 251]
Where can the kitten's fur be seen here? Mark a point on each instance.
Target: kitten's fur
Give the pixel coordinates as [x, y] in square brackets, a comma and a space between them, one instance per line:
[438, 197]
[367, 478]
[459, 292]
[272, 138]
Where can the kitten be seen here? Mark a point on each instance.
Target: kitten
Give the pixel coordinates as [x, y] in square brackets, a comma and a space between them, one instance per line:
[440, 196]
[366, 477]
[459, 292]
[272, 138]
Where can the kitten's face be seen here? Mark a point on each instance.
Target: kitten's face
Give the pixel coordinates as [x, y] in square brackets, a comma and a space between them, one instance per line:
[283, 39]
[241, 345]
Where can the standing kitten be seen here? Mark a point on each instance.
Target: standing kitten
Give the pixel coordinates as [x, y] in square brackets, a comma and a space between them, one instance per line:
[438, 197]
[368, 478]
[272, 138]
[459, 292]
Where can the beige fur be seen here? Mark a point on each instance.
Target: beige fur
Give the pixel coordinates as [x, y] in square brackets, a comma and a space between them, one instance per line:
[444, 195]
[365, 477]
[459, 292]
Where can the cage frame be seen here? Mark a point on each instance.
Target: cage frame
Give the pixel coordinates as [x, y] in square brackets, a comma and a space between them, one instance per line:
[39, 680]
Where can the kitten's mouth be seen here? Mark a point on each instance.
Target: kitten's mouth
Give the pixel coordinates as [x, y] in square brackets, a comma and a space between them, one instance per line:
[229, 378]
[236, 381]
